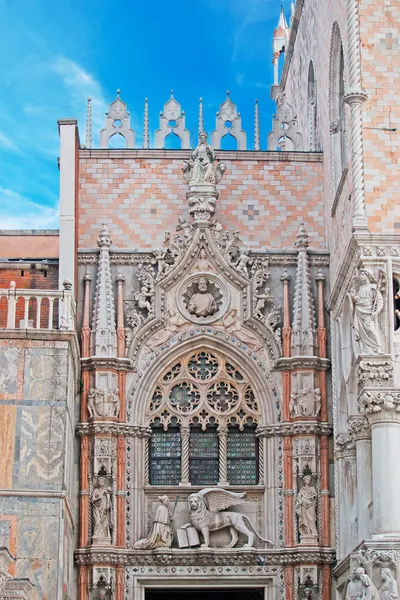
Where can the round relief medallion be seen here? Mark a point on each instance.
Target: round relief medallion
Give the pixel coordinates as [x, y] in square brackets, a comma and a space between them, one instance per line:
[202, 298]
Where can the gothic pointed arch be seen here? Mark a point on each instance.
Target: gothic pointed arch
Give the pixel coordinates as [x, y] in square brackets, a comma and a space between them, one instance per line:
[337, 107]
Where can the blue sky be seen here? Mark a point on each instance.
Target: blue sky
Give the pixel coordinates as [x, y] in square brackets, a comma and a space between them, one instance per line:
[53, 55]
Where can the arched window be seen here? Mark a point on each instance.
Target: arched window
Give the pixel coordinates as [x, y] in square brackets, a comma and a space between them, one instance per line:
[337, 108]
[312, 108]
[203, 414]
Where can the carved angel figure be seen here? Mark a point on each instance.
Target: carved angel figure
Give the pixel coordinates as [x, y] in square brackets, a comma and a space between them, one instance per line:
[205, 515]
[244, 261]
[367, 305]
[141, 297]
[232, 325]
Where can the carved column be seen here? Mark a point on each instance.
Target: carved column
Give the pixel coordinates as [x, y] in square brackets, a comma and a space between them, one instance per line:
[345, 454]
[385, 433]
[85, 331]
[120, 318]
[288, 489]
[326, 582]
[120, 583]
[185, 440]
[289, 583]
[121, 465]
[285, 278]
[223, 455]
[360, 431]
[83, 582]
[84, 494]
[355, 97]
[321, 331]
[324, 467]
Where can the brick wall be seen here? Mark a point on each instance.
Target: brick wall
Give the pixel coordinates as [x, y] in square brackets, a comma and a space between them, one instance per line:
[264, 195]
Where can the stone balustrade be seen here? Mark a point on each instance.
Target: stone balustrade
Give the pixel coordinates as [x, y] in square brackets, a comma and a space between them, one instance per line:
[38, 309]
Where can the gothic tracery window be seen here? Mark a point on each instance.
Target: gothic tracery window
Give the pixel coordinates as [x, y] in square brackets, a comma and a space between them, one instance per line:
[203, 413]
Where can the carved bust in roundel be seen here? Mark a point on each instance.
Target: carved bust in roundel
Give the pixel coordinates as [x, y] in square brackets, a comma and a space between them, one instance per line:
[202, 303]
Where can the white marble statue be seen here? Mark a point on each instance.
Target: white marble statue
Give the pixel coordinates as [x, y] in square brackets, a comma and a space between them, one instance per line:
[305, 403]
[355, 588]
[306, 505]
[202, 166]
[244, 261]
[202, 303]
[142, 296]
[203, 263]
[367, 304]
[389, 589]
[161, 531]
[103, 403]
[101, 507]
[367, 590]
[205, 515]
[159, 260]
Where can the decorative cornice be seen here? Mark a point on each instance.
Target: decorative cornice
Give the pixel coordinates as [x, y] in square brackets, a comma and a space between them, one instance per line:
[294, 363]
[207, 557]
[294, 428]
[373, 401]
[119, 364]
[113, 428]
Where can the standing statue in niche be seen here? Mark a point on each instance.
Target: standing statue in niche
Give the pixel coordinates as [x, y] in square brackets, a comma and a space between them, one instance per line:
[367, 304]
[306, 505]
[202, 167]
[202, 303]
[162, 530]
[101, 506]
[389, 589]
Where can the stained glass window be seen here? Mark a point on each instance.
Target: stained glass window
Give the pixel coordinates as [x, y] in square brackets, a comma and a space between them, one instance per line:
[165, 456]
[203, 456]
[242, 456]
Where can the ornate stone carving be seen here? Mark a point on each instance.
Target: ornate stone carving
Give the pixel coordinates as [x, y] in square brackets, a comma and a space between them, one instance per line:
[202, 303]
[101, 508]
[360, 587]
[374, 401]
[117, 122]
[305, 403]
[229, 122]
[233, 326]
[174, 323]
[172, 120]
[205, 515]
[375, 373]
[144, 298]
[202, 166]
[306, 509]
[358, 427]
[297, 428]
[161, 532]
[103, 403]
[389, 589]
[371, 556]
[367, 295]
[285, 134]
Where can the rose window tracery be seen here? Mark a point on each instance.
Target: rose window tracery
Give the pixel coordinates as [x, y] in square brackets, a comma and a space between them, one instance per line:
[212, 405]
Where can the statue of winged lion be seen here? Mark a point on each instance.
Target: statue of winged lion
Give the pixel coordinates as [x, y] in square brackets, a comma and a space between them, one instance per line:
[205, 516]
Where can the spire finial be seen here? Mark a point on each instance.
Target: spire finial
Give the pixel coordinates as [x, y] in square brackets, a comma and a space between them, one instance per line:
[172, 93]
[89, 123]
[146, 124]
[118, 92]
[201, 120]
[228, 93]
[256, 126]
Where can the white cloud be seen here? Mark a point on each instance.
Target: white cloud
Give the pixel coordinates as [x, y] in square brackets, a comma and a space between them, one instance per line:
[19, 212]
[7, 143]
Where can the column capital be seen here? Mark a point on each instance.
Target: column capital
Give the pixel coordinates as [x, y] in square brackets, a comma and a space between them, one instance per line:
[359, 428]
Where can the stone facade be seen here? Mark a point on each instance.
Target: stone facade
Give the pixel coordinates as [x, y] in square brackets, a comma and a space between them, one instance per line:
[239, 387]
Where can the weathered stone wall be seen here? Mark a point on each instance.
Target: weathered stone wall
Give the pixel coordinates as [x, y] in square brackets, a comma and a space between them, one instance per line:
[37, 484]
[141, 194]
[313, 43]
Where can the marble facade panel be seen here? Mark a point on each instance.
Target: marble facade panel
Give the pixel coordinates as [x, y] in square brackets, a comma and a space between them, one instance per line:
[45, 374]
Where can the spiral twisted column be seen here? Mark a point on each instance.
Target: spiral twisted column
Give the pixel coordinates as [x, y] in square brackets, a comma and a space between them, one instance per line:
[185, 440]
[223, 455]
[355, 98]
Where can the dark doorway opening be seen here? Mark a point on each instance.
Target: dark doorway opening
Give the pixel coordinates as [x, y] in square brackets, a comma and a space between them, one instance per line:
[206, 594]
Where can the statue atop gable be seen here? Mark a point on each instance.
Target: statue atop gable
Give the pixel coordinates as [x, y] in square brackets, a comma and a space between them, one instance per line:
[202, 167]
